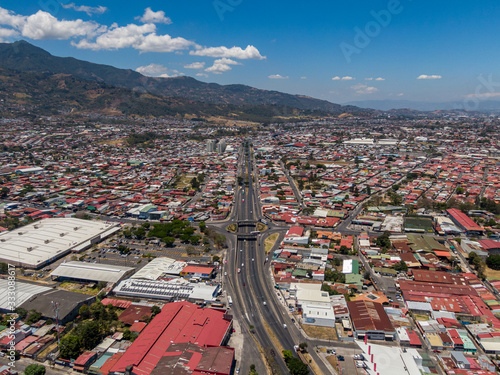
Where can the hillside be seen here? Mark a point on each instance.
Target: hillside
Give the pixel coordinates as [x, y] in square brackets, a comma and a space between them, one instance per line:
[23, 56]
[51, 94]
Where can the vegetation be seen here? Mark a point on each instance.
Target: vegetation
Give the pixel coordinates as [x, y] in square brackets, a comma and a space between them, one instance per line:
[493, 261]
[34, 369]
[294, 364]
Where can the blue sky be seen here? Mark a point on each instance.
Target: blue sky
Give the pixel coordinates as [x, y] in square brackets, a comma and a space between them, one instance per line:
[335, 50]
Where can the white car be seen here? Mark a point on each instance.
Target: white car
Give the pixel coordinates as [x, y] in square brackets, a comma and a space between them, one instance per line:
[242, 264]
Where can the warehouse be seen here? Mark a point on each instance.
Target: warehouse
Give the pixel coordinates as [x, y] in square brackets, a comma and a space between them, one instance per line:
[172, 337]
[81, 271]
[168, 290]
[36, 245]
[370, 319]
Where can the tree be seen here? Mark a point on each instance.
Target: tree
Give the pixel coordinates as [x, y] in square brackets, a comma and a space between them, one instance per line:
[493, 261]
[169, 241]
[344, 249]
[4, 267]
[70, 347]
[4, 192]
[401, 266]
[34, 369]
[155, 310]
[202, 225]
[89, 334]
[21, 312]
[33, 317]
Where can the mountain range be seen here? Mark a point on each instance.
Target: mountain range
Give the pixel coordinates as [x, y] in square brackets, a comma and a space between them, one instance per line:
[24, 57]
[469, 104]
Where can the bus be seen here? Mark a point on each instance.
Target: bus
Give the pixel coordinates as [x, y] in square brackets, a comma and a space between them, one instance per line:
[255, 232]
[229, 301]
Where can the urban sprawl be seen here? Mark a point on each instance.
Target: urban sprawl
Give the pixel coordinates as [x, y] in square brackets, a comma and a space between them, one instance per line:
[337, 246]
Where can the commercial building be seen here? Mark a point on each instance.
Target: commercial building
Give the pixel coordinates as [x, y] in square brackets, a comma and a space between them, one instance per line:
[38, 244]
[185, 335]
[464, 222]
[81, 271]
[158, 267]
[370, 319]
[168, 290]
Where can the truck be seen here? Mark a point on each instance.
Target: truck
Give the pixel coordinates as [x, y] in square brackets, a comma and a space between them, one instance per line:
[229, 301]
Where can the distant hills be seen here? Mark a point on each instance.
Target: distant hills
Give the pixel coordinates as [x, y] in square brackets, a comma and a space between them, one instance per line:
[470, 105]
[24, 57]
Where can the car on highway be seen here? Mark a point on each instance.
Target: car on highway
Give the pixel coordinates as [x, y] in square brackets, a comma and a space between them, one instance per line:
[242, 264]
[238, 370]
[284, 325]
[239, 270]
[340, 357]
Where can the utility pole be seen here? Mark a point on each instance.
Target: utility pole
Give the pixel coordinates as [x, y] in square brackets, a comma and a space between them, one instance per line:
[55, 306]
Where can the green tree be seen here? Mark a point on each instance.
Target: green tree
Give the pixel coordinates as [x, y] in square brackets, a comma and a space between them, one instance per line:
[493, 261]
[34, 369]
[70, 347]
[89, 333]
[155, 310]
[33, 317]
[84, 312]
[169, 241]
[21, 312]
[202, 225]
[4, 267]
[401, 266]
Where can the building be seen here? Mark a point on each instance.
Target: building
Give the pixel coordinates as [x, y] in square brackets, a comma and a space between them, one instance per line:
[158, 267]
[221, 146]
[370, 319]
[168, 290]
[211, 145]
[38, 244]
[198, 271]
[182, 334]
[491, 246]
[464, 222]
[69, 304]
[82, 271]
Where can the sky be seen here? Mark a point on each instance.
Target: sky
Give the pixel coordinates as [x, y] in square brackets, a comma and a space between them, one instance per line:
[340, 51]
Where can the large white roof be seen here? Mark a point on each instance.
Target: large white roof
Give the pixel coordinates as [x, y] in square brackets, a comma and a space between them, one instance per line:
[49, 239]
[22, 291]
[159, 266]
[91, 271]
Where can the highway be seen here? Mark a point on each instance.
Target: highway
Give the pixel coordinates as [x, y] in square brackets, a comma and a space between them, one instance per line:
[255, 301]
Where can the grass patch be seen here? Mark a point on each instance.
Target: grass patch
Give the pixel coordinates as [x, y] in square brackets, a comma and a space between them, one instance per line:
[323, 333]
[270, 241]
[420, 317]
[232, 228]
[261, 227]
[491, 274]
[332, 360]
[312, 364]
[79, 288]
[184, 181]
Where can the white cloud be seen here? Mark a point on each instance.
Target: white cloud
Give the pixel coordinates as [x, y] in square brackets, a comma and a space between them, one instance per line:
[84, 8]
[234, 52]
[425, 76]
[7, 33]
[163, 43]
[118, 37]
[379, 79]
[277, 76]
[369, 79]
[345, 78]
[154, 70]
[400, 94]
[154, 17]
[364, 89]
[484, 95]
[140, 37]
[195, 65]
[9, 18]
[202, 75]
[221, 65]
[303, 77]
[43, 25]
